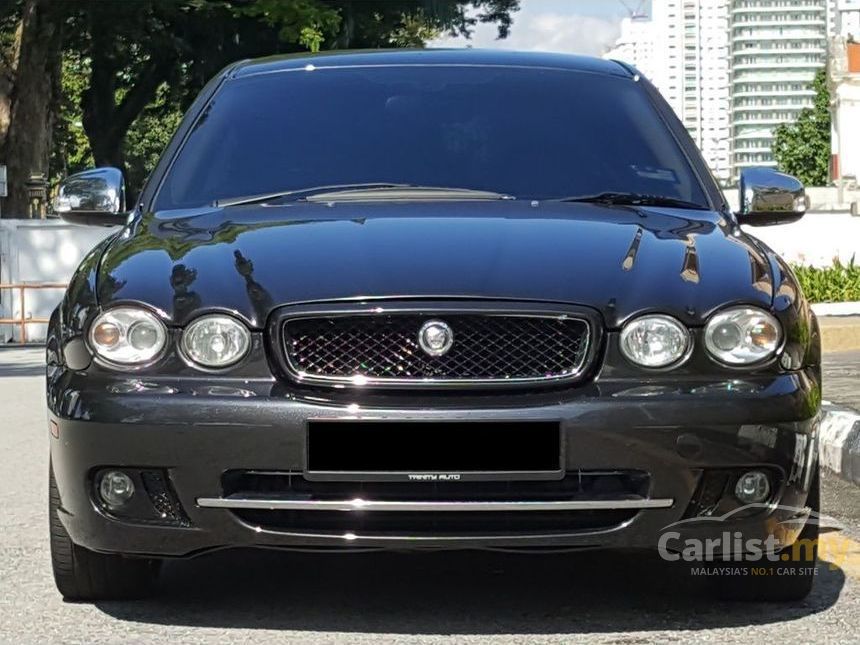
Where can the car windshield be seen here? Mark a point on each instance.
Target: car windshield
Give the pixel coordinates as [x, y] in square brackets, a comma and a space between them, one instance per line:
[530, 133]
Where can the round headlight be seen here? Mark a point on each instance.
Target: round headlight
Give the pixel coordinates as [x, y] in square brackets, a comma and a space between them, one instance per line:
[127, 335]
[742, 336]
[654, 341]
[215, 341]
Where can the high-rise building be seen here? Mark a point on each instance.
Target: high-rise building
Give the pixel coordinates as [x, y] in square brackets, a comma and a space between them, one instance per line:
[636, 44]
[733, 69]
[848, 19]
[705, 80]
[777, 46]
[684, 50]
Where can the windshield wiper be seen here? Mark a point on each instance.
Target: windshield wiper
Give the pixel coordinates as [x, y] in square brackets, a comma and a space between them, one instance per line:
[363, 192]
[634, 199]
[406, 192]
[298, 192]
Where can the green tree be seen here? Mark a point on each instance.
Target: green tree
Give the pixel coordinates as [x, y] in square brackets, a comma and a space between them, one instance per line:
[122, 72]
[71, 149]
[802, 148]
[150, 58]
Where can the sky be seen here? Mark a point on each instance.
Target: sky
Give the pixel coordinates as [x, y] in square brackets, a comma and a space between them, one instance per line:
[570, 26]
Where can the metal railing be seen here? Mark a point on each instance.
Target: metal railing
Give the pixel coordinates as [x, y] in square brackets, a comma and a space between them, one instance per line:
[22, 320]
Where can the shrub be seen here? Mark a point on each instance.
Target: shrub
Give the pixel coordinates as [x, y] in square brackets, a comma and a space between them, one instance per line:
[837, 283]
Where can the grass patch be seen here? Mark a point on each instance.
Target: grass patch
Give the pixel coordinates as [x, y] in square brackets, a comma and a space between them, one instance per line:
[837, 283]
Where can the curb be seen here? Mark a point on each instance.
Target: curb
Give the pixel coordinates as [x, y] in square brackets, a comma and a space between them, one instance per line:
[836, 308]
[839, 442]
[840, 338]
[839, 333]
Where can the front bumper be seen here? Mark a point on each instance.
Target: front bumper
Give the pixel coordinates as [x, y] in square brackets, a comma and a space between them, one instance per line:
[196, 432]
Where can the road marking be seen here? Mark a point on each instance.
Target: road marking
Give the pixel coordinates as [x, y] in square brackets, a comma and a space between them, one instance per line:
[839, 551]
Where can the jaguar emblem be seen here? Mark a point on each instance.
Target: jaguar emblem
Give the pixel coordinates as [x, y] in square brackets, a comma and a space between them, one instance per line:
[435, 337]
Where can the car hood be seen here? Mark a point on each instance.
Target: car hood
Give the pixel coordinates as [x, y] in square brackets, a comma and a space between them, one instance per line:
[251, 259]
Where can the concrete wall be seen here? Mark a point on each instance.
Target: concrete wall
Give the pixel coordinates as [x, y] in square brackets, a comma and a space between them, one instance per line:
[33, 251]
[815, 240]
[844, 85]
[846, 141]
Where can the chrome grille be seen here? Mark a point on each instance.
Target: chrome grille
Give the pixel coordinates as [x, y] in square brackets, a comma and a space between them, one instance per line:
[383, 348]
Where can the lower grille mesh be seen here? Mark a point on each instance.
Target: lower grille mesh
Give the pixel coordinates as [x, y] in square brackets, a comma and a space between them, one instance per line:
[486, 347]
[438, 524]
[577, 484]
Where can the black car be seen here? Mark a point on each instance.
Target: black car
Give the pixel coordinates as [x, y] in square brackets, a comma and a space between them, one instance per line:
[432, 300]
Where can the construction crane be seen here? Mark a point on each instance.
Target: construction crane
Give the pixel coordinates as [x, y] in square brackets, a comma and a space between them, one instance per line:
[638, 12]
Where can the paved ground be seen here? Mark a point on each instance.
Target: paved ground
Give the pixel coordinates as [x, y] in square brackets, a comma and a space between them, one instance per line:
[456, 598]
[842, 378]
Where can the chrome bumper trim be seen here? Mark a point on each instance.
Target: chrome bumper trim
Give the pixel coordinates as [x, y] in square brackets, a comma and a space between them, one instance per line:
[429, 506]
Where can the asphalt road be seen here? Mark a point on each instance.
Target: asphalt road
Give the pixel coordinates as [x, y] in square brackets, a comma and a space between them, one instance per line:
[466, 597]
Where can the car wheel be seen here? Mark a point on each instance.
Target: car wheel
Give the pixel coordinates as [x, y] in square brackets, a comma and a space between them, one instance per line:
[81, 574]
[772, 582]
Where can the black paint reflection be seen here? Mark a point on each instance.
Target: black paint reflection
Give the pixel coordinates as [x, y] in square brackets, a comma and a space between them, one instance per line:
[261, 300]
[185, 301]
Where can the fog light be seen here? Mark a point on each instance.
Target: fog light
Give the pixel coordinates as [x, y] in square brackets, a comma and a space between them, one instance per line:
[116, 488]
[753, 487]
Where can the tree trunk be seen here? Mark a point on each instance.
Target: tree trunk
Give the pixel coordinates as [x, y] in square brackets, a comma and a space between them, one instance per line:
[347, 27]
[8, 60]
[28, 143]
[98, 101]
[5, 103]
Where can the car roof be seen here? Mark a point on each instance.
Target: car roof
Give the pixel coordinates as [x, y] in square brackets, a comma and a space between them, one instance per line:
[464, 57]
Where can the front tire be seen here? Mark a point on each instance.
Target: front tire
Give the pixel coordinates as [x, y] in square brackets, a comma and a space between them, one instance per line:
[84, 575]
[775, 585]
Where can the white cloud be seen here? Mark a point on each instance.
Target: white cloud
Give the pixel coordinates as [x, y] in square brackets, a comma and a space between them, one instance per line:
[551, 31]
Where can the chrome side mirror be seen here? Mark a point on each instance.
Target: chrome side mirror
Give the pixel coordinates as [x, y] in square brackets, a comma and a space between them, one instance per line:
[770, 197]
[95, 197]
